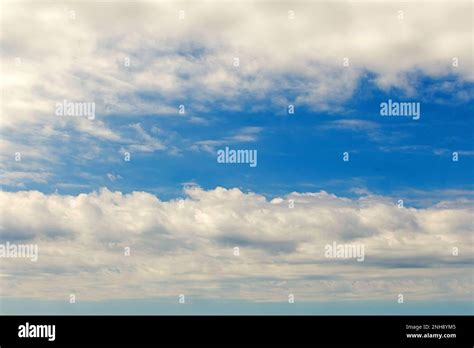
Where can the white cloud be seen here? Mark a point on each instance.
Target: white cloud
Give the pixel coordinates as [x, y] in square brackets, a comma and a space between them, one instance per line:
[146, 142]
[351, 124]
[17, 178]
[113, 177]
[97, 129]
[191, 61]
[188, 248]
[243, 135]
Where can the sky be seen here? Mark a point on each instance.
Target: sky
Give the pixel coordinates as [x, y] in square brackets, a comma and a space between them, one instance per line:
[174, 83]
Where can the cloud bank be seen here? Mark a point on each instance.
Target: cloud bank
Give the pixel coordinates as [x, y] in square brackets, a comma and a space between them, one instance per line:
[187, 246]
[79, 51]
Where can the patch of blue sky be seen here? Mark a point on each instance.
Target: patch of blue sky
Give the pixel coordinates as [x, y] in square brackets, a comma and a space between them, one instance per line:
[301, 152]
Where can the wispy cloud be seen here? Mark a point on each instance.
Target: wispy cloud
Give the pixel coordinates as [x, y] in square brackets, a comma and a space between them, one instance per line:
[243, 135]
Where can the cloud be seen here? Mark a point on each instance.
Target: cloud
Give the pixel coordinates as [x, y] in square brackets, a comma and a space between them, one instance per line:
[18, 178]
[190, 61]
[50, 55]
[351, 124]
[243, 135]
[147, 142]
[112, 177]
[187, 246]
[97, 129]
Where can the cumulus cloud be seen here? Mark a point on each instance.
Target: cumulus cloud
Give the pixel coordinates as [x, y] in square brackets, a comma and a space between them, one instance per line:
[186, 246]
[76, 52]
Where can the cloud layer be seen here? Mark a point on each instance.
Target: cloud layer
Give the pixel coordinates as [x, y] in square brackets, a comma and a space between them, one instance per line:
[187, 246]
[78, 51]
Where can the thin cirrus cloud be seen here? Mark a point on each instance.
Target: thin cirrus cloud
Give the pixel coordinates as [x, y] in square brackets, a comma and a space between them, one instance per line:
[243, 135]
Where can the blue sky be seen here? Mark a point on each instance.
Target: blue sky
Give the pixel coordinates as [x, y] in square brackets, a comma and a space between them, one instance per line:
[300, 152]
[67, 188]
[206, 307]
